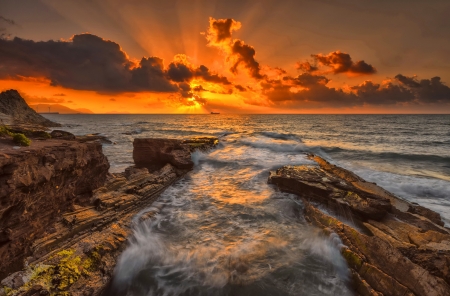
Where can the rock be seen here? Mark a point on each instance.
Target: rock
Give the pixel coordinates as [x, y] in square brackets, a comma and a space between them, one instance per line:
[67, 224]
[391, 246]
[63, 135]
[38, 186]
[318, 185]
[153, 153]
[94, 137]
[13, 105]
[14, 281]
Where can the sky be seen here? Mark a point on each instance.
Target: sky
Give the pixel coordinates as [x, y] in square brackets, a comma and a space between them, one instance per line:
[246, 56]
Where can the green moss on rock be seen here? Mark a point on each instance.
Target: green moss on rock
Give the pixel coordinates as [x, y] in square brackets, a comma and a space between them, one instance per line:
[21, 139]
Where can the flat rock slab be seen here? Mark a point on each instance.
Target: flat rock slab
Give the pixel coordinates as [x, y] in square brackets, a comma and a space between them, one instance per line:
[392, 247]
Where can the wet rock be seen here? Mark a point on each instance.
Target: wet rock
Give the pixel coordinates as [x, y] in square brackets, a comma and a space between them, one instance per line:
[391, 246]
[63, 135]
[72, 231]
[318, 185]
[152, 153]
[93, 137]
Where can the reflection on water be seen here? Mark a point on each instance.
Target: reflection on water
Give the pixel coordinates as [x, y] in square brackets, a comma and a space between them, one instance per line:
[223, 231]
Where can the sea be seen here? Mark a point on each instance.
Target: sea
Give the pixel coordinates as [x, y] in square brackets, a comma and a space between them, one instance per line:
[222, 230]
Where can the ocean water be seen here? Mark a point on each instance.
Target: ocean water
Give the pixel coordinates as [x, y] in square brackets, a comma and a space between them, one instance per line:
[222, 230]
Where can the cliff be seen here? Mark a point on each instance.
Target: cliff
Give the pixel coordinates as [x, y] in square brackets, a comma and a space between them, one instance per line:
[37, 185]
[72, 236]
[13, 105]
[392, 247]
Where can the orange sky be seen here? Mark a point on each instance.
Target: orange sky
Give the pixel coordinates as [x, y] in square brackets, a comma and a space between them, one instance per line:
[252, 59]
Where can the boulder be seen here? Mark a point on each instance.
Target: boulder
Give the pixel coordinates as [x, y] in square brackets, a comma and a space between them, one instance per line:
[153, 153]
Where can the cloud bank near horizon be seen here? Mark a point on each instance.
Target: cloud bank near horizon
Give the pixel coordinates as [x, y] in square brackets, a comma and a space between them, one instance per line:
[89, 62]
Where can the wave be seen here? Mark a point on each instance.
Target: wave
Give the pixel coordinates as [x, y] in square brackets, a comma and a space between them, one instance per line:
[281, 136]
[366, 154]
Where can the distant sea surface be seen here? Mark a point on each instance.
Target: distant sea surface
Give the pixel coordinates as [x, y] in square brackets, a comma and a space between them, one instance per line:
[225, 211]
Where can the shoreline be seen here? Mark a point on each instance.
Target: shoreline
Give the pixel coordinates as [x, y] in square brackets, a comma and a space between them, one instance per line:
[92, 235]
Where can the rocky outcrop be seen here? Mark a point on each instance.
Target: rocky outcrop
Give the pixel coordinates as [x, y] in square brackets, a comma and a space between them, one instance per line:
[77, 255]
[13, 105]
[392, 247]
[153, 153]
[37, 185]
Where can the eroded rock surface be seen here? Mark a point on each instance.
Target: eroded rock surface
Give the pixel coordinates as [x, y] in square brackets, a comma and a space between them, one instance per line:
[153, 153]
[392, 247]
[76, 254]
[38, 184]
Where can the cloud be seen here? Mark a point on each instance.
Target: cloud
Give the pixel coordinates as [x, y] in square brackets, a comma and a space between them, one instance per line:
[387, 94]
[245, 55]
[219, 31]
[236, 51]
[89, 62]
[86, 62]
[181, 71]
[8, 21]
[112, 100]
[426, 90]
[311, 91]
[59, 95]
[240, 88]
[306, 67]
[339, 62]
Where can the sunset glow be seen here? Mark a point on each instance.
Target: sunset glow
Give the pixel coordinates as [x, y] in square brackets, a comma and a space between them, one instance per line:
[189, 58]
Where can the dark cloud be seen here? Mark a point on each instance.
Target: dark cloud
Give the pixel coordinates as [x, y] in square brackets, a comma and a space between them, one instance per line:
[59, 95]
[426, 90]
[311, 91]
[240, 88]
[8, 21]
[199, 88]
[112, 100]
[204, 73]
[88, 62]
[220, 30]
[306, 67]
[151, 76]
[245, 55]
[388, 94]
[179, 72]
[340, 62]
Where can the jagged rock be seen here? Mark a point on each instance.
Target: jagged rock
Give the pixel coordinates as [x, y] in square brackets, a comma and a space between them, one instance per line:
[38, 185]
[326, 188]
[392, 248]
[12, 104]
[152, 153]
[88, 235]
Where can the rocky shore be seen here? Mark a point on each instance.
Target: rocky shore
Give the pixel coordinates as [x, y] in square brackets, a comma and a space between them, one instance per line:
[65, 219]
[392, 247]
